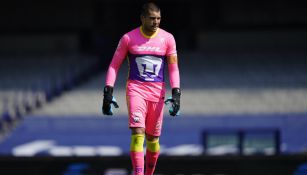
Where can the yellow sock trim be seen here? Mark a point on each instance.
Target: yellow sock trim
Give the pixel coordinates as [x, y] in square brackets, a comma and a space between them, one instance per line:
[137, 142]
[153, 146]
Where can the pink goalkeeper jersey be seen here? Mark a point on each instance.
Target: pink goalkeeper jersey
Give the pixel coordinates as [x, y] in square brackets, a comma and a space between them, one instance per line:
[147, 60]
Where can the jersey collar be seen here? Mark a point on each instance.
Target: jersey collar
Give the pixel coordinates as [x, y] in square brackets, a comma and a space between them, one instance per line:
[147, 36]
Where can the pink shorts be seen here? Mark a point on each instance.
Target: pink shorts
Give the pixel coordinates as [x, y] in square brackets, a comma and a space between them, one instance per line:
[145, 114]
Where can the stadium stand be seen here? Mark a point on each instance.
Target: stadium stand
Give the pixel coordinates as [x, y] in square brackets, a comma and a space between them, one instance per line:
[213, 83]
[224, 91]
[237, 90]
[28, 82]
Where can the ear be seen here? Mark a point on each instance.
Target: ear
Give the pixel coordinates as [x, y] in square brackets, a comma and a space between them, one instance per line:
[142, 18]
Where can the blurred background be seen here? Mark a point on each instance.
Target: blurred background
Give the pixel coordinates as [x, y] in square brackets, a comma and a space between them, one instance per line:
[243, 67]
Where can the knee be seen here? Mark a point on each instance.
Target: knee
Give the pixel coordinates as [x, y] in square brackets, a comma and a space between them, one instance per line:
[152, 143]
[151, 138]
[137, 142]
[137, 131]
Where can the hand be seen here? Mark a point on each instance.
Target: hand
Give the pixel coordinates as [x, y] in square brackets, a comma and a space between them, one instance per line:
[108, 99]
[174, 110]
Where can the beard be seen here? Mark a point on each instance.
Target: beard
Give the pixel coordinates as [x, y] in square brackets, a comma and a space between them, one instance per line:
[153, 28]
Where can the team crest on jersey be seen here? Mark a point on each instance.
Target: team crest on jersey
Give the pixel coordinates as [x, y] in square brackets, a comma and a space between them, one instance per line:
[149, 67]
[136, 117]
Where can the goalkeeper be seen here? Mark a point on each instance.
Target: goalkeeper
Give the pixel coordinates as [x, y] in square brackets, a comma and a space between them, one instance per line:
[148, 49]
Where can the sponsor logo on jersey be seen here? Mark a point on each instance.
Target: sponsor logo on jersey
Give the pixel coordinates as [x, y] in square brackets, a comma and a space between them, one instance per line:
[149, 48]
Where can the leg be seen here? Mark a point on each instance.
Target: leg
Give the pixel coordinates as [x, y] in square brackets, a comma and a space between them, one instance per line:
[153, 131]
[137, 113]
[136, 150]
[152, 153]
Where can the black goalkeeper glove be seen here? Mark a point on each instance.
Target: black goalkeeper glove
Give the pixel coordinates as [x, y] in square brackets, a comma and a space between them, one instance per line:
[108, 99]
[174, 109]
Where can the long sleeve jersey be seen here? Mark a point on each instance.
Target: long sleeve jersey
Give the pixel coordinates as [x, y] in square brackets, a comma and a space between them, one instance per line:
[147, 59]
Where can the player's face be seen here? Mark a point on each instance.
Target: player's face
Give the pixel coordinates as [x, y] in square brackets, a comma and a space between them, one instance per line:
[151, 22]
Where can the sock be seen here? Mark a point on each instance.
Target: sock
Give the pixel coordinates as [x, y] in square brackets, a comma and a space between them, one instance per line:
[137, 153]
[152, 154]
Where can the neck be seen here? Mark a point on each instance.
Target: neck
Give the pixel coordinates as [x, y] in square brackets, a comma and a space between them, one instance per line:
[146, 32]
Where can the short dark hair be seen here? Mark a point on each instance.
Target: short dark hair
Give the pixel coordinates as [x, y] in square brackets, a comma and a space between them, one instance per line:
[149, 6]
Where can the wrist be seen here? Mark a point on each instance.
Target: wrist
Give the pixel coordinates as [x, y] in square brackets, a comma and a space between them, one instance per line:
[176, 93]
[108, 90]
